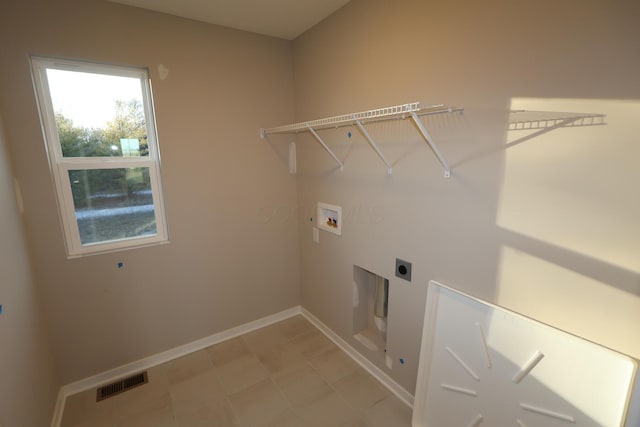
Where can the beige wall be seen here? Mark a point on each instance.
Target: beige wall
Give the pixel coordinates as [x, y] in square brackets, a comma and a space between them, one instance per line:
[230, 259]
[29, 383]
[544, 224]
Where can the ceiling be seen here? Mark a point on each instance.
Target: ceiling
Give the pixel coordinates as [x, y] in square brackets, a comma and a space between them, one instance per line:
[285, 19]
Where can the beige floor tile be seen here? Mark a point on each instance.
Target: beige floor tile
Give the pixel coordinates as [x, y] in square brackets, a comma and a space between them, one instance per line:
[157, 376]
[241, 373]
[388, 412]
[259, 403]
[329, 411]
[156, 412]
[82, 408]
[158, 418]
[302, 386]
[312, 343]
[199, 391]
[228, 351]
[361, 390]
[294, 326]
[265, 339]
[288, 418]
[357, 422]
[95, 423]
[75, 410]
[281, 358]
[215, 414]
[333, 364]
[188, 366]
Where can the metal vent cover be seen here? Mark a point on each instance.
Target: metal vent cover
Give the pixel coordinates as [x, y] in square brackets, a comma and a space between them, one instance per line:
[121, 386]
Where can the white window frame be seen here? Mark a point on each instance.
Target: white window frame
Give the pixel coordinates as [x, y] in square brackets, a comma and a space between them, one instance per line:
[61, 165]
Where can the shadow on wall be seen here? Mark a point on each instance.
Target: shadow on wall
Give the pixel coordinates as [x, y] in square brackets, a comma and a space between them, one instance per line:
[567, 215]
[567, 221]
[541, 122]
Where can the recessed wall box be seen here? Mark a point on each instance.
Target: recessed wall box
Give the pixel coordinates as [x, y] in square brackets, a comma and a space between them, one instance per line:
[370, 314]
[329, 218]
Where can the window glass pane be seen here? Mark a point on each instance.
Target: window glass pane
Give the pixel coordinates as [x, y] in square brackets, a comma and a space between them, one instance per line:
[98, 115]
[112, 204]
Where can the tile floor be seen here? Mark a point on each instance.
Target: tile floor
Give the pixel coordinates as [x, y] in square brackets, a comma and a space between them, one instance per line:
[284, 375]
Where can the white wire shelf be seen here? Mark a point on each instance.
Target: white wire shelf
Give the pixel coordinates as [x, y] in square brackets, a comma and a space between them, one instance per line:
[396, 112]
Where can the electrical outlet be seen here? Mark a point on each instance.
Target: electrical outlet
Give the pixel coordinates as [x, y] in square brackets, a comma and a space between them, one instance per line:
[403, 269]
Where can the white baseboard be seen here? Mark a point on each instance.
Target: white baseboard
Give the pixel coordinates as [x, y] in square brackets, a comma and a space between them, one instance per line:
[378, 373]
[163, 357]
[57, 411]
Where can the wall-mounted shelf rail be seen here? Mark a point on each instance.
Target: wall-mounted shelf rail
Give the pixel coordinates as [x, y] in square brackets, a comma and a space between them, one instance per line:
[412, 110]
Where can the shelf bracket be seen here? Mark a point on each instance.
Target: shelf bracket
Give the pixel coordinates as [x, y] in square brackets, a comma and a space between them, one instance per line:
[326, 147]
[373, 144]
[432, 145]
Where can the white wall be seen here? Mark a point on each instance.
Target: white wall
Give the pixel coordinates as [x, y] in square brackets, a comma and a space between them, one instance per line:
[543, 224]
[29, 384]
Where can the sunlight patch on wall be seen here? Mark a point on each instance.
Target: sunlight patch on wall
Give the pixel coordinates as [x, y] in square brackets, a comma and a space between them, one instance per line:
[575, 185]
[568, 300]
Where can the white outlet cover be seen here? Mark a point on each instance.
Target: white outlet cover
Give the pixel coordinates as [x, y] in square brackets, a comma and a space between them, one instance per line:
[329, 218]
[482, 365]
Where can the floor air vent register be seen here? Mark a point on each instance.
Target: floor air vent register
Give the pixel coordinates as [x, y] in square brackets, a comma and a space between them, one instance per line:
[121, 386]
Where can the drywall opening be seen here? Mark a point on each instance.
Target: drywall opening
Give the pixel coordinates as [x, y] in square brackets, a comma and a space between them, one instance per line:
[370, 310]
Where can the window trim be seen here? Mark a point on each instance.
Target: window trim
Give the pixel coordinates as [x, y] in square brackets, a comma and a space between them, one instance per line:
[60, 165]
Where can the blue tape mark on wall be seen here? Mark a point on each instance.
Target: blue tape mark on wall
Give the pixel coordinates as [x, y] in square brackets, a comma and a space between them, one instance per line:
[120, 264]
[401, 361]
[0, 308]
